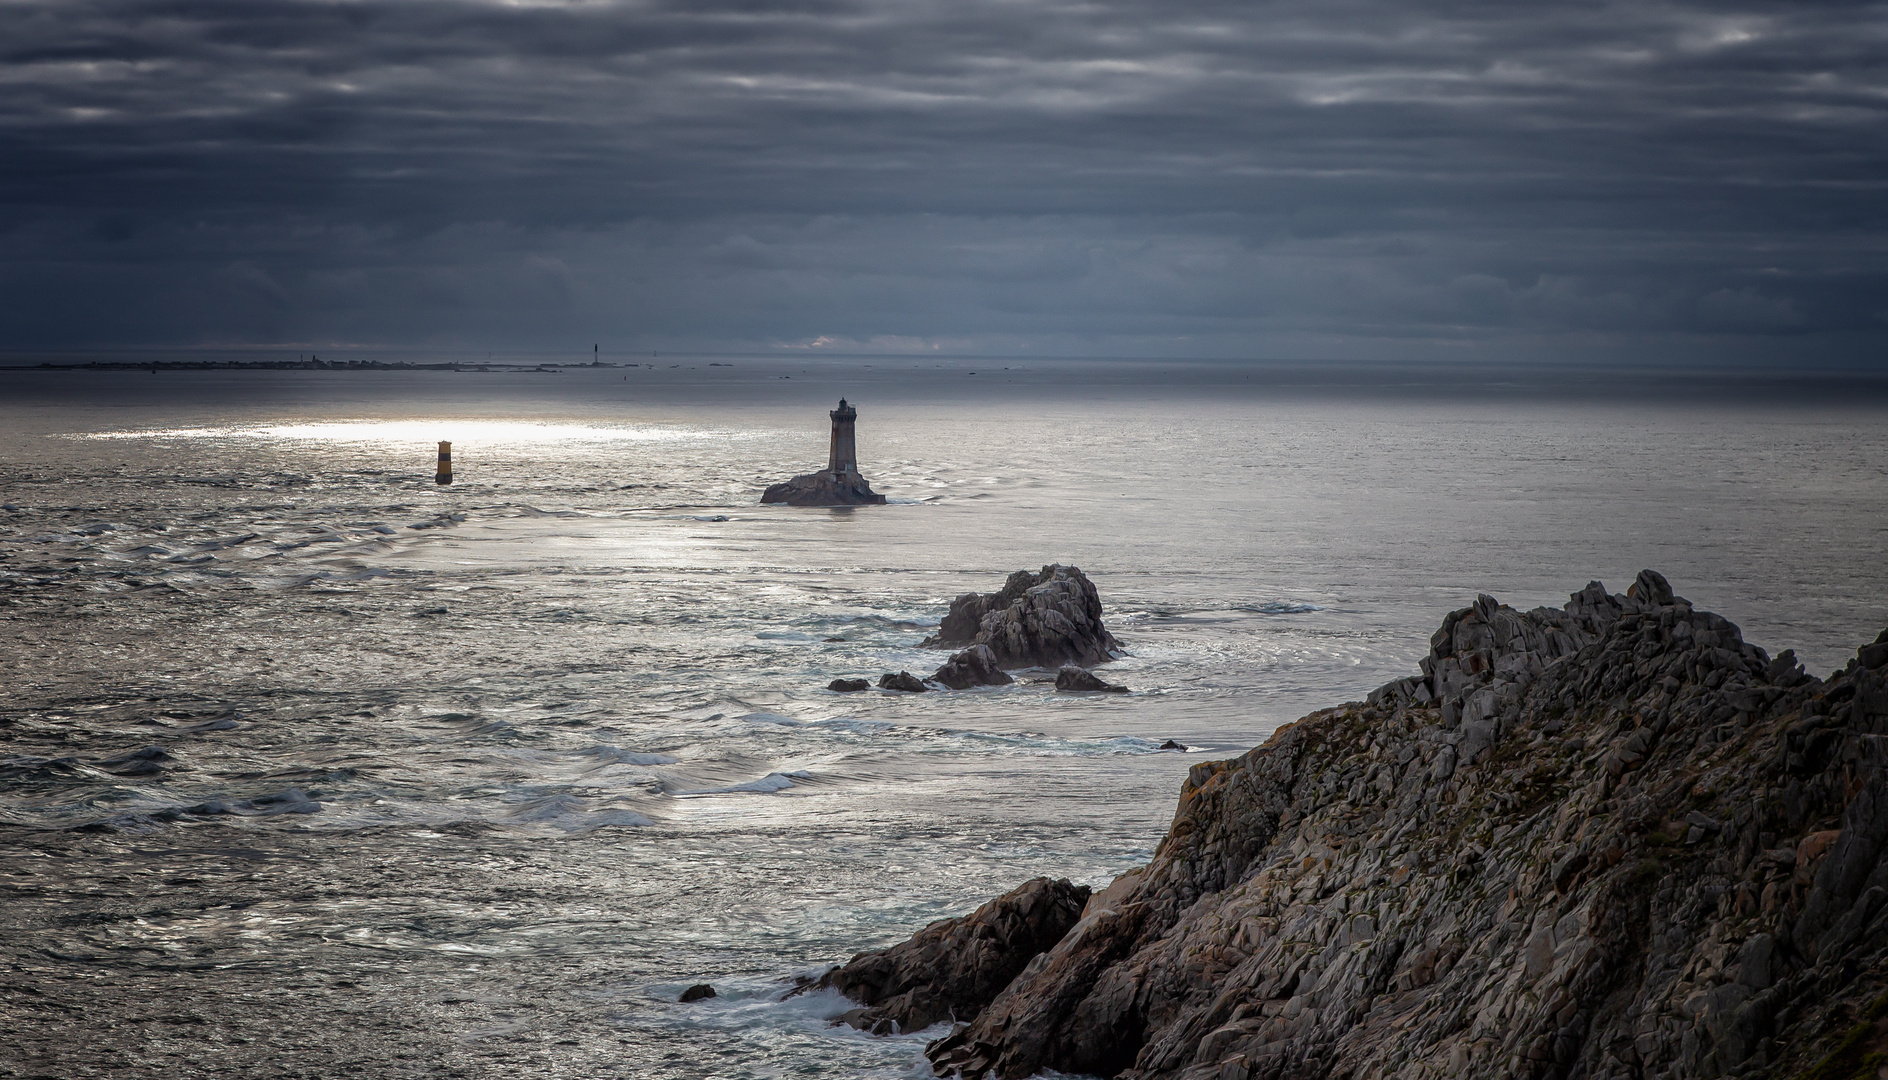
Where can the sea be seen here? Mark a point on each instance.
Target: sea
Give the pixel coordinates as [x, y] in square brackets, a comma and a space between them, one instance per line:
[311, 767]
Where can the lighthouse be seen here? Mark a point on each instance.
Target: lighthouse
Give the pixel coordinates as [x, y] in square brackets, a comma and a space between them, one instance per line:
[843, 462]
[839, 483]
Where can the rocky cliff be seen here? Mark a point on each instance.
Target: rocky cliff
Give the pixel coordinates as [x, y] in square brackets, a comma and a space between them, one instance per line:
[1607, 841]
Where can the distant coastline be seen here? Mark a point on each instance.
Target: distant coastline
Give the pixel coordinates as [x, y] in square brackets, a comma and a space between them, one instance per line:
[318, 365]
[885, 379]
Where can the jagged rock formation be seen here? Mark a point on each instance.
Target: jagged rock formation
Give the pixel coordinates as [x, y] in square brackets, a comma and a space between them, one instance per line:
[1046, 620]
[953, 967]
[1607, 842]
[1072, 679]
[823, 488]
[975, 666]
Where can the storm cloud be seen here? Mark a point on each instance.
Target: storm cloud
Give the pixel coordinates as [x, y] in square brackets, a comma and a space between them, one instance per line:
[1355, 179]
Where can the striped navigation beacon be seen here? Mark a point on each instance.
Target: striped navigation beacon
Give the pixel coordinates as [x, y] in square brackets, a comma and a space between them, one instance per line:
[839, 483]
[444, 476]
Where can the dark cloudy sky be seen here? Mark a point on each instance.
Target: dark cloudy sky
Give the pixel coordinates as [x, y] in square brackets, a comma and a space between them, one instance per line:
[1342, 178]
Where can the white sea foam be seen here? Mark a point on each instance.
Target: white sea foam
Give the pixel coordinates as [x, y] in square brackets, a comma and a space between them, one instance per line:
[766, 785]
[606, 819]
[612, 755]
[757, 1011]
[770, 718]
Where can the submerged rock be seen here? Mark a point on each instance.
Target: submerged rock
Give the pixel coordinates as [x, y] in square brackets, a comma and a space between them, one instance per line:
[904, 680]
[1045, 619]
[952, 968]
[1072, 679]
[975, 666]
[698, 992]
[848, 686]
[1610, 841]
[150, 761]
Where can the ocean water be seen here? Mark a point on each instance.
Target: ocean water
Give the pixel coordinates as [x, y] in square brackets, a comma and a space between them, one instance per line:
[309, 767]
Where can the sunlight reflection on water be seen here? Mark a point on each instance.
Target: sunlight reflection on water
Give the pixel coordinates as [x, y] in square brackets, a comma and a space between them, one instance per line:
[401, 432]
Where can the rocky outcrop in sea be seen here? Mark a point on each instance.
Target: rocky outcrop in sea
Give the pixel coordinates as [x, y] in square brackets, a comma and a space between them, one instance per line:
[903, 680]
[839, 483]
[1045, 619]
[975, 666]
[1074, 680]
[1611, 841]
[823, 488]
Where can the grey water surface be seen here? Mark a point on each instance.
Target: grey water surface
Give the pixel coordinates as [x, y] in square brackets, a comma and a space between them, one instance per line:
[310, 767]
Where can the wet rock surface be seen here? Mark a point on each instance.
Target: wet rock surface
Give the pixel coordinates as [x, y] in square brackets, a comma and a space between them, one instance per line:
[975, 666]
[1072, 679]
[1610, 841]
[848, 686]
[951, 969]
[903, 680]
[1045, 619]
[823, 488]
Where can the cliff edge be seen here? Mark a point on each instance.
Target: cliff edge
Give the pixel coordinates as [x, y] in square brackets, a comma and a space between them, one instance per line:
[1606, 841]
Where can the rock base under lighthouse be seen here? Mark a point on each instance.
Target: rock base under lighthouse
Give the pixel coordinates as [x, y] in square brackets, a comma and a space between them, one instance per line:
[823, 489]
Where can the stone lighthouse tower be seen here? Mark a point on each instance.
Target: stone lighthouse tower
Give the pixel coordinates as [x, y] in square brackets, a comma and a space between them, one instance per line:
[843, 462]
[839, 483]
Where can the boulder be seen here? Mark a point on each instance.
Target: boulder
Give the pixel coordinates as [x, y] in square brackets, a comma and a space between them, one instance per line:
[698, 992]
[904, 680]
[848, 686]
[975, 666]
[823, 488]
[1072, 679]
[1045, 619]
[953, 968]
